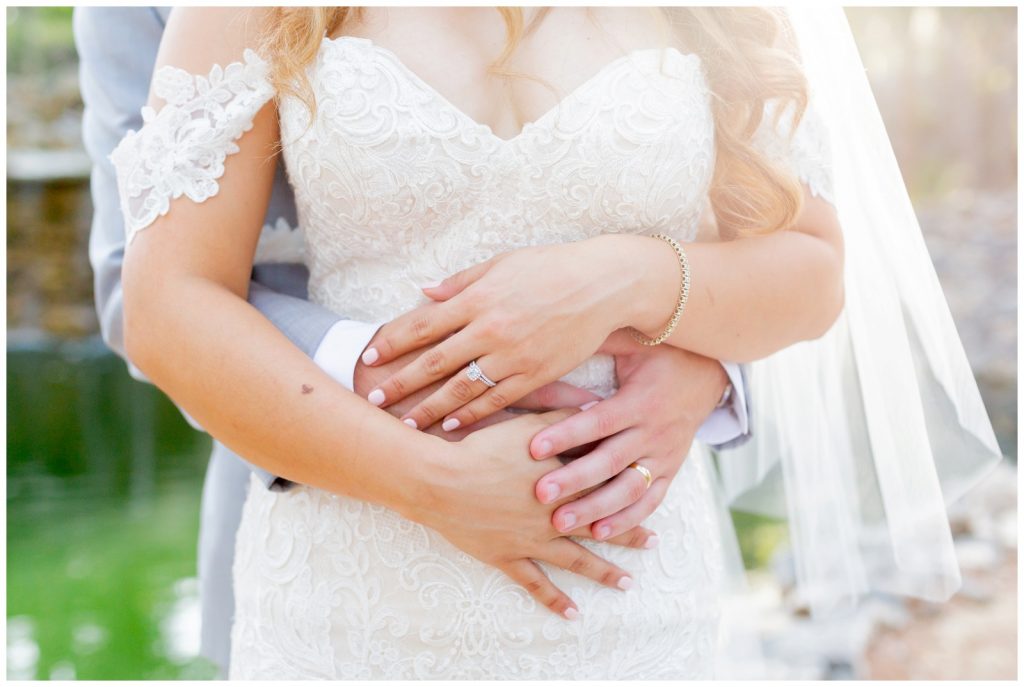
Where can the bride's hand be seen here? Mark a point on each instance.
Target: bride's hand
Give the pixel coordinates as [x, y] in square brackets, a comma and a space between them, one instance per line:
[527, 317]
[481, 500]
[664, 396]
[549, 397]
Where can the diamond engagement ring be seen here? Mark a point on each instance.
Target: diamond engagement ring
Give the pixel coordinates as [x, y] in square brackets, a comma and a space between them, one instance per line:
[474, 373]
[643, 471]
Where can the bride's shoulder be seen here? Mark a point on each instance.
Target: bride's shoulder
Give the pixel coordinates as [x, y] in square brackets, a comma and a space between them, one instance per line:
[198, 38]
[211, 54]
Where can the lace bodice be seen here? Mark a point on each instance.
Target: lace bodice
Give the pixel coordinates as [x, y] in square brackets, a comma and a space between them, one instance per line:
[396, 187]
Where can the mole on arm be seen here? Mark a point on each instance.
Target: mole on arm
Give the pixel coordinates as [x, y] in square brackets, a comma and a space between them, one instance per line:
[307, 389]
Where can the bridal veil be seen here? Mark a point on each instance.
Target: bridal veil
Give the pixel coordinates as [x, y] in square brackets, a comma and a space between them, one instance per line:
[863, 437]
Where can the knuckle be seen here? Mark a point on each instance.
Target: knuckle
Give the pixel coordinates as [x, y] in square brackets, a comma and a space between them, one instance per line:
[635, 491]
[528, 360]
[461, 390]
[494, 329]
[534, 586]
[386, 345]
[610, 576]
[434, 361]
[399, 386]
[428, 414]
[637, 538]
[618, 460]
[468, 416]
[607, 423]
[421, 328]
[580, 564]
[497, 400]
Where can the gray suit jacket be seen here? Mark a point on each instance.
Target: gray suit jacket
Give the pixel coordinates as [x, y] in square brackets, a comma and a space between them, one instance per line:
[117, 48]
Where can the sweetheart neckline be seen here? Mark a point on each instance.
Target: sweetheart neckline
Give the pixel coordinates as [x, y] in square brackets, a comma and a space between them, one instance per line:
[589, 82]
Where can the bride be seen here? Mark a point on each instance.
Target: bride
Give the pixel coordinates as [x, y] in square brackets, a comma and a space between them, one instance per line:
[520, 193]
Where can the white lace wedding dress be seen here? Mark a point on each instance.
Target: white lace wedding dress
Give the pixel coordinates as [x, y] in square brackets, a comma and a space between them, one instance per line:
[396, 187]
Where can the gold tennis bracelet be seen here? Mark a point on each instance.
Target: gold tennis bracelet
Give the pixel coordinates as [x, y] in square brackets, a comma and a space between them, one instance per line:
[684, 294]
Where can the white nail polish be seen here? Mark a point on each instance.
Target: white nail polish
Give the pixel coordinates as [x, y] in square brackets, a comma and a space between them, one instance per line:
[431, 285]
[588, 406]
[625, 583]
[370, 356]
[568, 521]
[450, 424]
[412, 423]
[571, 613]
[376, 397]
[652, 542]
[544, 447]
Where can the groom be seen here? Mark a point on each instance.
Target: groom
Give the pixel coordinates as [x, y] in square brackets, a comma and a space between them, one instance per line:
[117, 47]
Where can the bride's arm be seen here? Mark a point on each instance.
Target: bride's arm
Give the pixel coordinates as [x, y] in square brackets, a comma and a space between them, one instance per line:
[185, 288]
[532, 315]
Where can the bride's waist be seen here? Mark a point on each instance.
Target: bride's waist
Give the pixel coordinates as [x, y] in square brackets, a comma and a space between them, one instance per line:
[595, 374]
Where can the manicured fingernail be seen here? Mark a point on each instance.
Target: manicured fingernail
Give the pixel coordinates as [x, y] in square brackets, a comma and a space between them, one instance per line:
[603, 531]
[652, 542]
[568, 520]
[370, 356]
[376, 397]
[571, 613]
[543, 448]
[585, 406]
[431, 285]
[625, 583]
[450, 424]
[412, 423]
[551, 493]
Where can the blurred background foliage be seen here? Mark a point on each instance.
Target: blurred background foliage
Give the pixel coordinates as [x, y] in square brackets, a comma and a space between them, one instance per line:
[103, 474]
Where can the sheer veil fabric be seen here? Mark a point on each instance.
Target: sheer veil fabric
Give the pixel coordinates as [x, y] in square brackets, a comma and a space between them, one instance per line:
[863, 437]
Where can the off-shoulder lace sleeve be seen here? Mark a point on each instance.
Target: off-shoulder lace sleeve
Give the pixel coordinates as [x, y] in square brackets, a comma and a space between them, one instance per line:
[181, 149]
[804, 150]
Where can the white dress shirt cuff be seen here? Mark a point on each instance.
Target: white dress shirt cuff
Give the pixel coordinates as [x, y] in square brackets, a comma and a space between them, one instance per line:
[725, 424]
[341, 347]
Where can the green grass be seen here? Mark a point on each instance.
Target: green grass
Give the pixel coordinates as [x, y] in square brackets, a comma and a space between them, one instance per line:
[97, 587]
[759, 537]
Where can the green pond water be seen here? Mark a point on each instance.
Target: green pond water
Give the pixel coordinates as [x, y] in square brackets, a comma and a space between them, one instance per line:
[103, 485]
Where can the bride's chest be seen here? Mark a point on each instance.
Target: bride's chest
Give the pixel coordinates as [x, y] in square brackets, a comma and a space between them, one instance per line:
[630, 149]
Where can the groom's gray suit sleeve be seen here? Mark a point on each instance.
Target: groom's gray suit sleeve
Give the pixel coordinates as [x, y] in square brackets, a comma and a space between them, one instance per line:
[117, 50]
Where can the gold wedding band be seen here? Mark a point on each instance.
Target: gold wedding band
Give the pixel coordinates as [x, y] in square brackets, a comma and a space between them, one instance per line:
[643, 471]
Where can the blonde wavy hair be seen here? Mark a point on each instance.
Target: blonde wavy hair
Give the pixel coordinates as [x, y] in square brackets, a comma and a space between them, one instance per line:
[748, 56]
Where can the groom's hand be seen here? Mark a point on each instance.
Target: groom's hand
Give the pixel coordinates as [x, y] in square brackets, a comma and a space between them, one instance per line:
[664, 396]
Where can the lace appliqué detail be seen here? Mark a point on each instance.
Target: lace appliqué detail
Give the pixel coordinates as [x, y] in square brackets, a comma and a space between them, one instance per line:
[805, 150]
[180, 150]
[280, 243]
